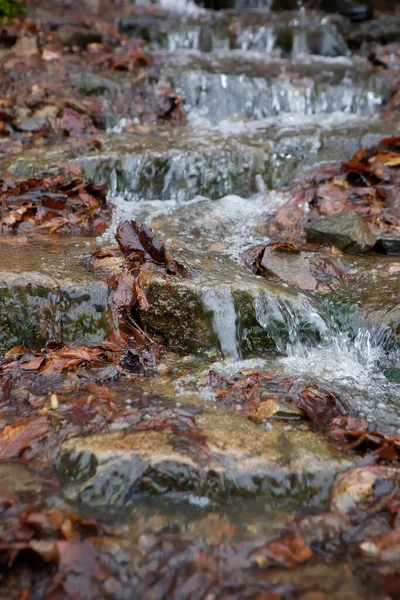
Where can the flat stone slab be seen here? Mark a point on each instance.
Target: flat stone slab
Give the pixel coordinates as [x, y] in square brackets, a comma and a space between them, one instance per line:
[161, 165]
[182, 164]
[45, 294]
[238, 459]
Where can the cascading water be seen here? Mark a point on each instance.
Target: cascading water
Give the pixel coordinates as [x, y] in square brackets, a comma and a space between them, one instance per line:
[315, 341]
[318, 341]
[221, 305]
[222, 96]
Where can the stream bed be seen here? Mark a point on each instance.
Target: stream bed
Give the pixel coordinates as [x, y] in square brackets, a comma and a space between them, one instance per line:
[225, 469]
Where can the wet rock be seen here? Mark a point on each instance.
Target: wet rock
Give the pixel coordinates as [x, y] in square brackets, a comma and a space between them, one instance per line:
[159, 166]
[347, 231]
[382, 31]
[388, 246]
[148, 28]
[26, 47]
[219, 86]
[45, 296]
[93, 83]
[46, 112]
[356, 13]
[377, 296]
[280, 33]
[72, 35]
[218, 310]
[392, 374]
[179, 165]
[242, 460]
[291, 267]
[31, 125]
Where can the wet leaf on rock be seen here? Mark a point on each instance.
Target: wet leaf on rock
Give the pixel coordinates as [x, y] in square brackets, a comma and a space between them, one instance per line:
[365, 489]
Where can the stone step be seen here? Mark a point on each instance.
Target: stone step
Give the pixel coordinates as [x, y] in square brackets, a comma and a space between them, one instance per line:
[239, 459]
[182, 164]
[223, 310]
[288, 33]
[46, 295]
[220, 86]
[244, 85]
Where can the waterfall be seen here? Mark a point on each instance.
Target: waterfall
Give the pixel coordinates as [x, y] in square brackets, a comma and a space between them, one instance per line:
[220, 303]
[327, 343]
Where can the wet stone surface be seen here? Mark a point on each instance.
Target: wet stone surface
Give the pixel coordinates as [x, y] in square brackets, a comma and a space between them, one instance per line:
[215, 311]
[233, 459]
[46, 295]
[181, 164]
[238, 436]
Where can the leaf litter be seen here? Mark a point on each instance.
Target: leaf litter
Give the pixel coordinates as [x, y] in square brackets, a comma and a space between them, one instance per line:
[368, 183]
[61, 204]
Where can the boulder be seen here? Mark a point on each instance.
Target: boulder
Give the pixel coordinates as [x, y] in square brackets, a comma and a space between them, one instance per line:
[388, 246]
[347, 231]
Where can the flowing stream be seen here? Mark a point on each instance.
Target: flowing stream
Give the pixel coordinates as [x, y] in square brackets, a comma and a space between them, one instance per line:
[268, 96]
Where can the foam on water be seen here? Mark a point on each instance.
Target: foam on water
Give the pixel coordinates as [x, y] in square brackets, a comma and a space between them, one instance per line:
[180, 6]
[232, 220]
[313, 341]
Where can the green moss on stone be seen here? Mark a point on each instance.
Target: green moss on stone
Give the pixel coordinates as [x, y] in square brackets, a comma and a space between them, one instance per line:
[252, 336]
[179, 317]
[11, 8]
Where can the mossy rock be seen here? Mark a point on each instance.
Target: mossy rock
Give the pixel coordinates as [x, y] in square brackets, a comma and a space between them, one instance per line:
[45, 294]
[218, 310]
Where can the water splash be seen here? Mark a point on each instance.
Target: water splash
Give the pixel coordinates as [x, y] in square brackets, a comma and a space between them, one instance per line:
[330, 346]
[324, 344]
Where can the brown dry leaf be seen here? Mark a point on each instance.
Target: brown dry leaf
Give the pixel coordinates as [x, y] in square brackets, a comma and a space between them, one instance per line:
[284, 247]
[33, 365]
[393, 162]
[125, 296]
[15, 351]
[287, 551]
[20, 435]
[60, 203]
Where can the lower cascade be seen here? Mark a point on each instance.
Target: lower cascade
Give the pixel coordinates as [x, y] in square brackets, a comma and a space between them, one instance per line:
[319, 340]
